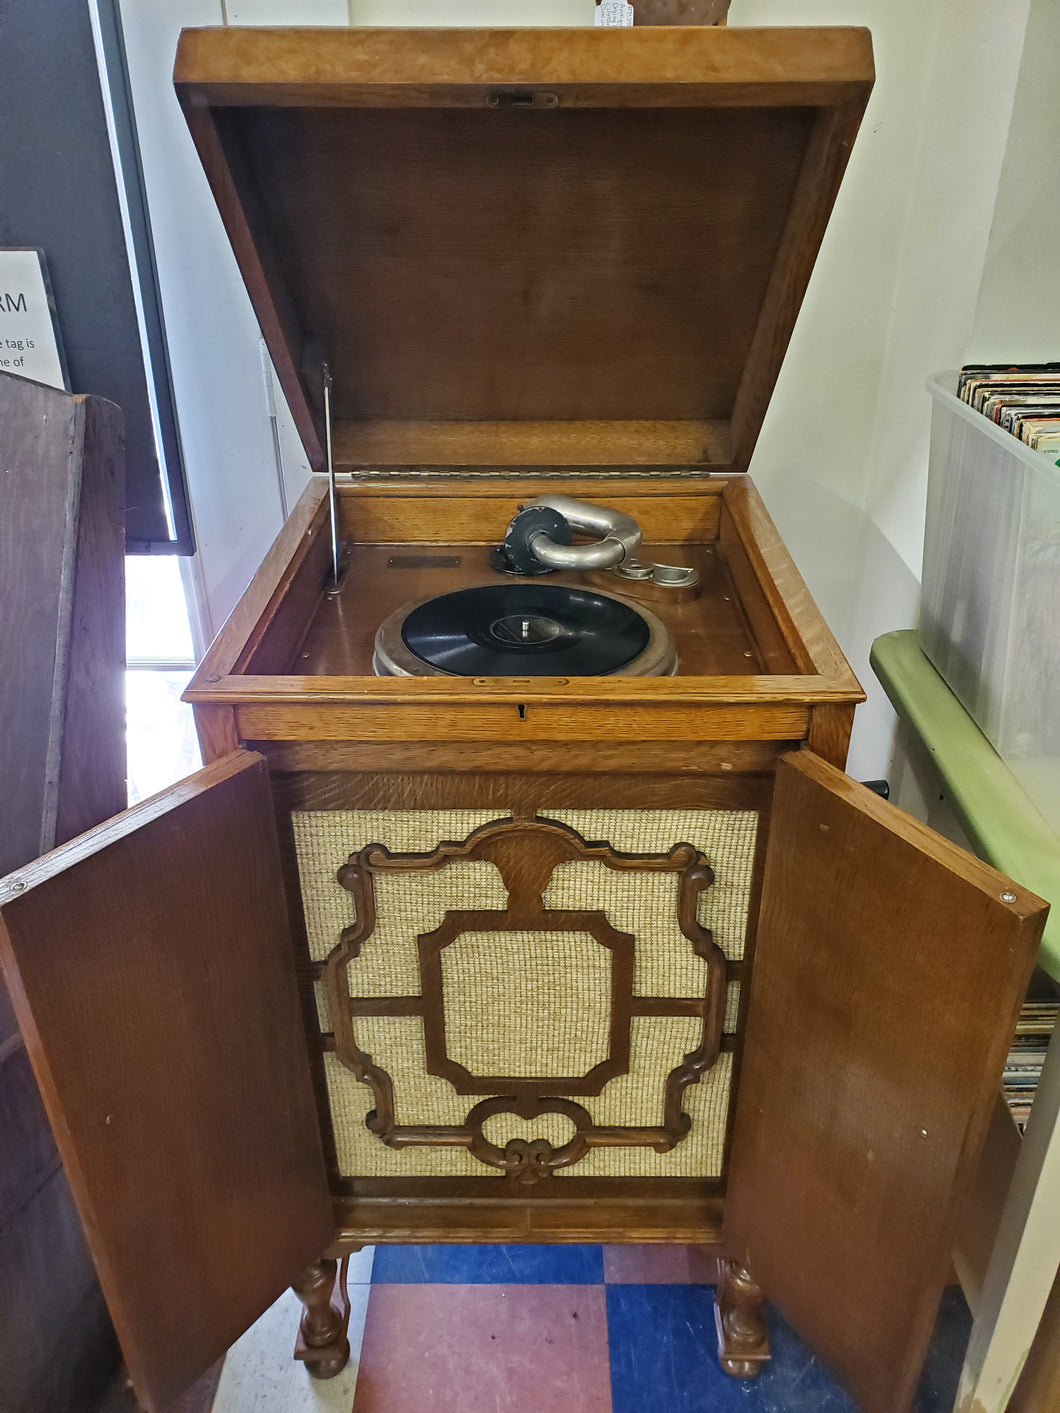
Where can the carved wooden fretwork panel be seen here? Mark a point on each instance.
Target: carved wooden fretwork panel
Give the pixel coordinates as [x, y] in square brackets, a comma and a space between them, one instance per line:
[522, 1078]
[658, 1045]
[647, 903]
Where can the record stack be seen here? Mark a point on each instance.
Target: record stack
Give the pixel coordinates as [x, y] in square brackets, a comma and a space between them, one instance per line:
[1021, 399]
[1023, 1068]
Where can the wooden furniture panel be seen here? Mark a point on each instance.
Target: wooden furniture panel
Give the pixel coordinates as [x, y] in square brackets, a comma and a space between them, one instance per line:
[438, 280]
[288, 562]
[869, 1073]
[608, 272]
[681, 12]
[753, 602]
[692, 758]
[494, 1209]
[396, 721]
[517, 792]
[442, 505]
[995, 814]
[587, 443]
[62, 760]
[746, 534]
[986, 1199]
[687, 1218]
[709, 632]
[175, 1072]
[380, 67]
[61, 616]
[92, 783]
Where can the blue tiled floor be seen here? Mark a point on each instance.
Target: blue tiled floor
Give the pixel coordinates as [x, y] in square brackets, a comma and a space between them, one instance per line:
[662, 1347]
[491, 1329]
[942, 1368]
[663, 1359]
[660, 1337]
[488, 1265]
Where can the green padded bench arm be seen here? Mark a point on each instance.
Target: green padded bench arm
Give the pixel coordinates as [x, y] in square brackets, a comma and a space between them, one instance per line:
[1000, 820]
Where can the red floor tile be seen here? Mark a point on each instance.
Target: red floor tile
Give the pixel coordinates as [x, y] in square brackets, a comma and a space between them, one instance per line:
[484, 1349]
[660, 1265]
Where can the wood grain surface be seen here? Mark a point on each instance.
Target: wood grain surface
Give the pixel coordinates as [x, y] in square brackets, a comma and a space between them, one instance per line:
[681, 12]
[746, 522]
[986, 1201]
[340, 66]
[585, 443]
[62, 763]
[654, 1217]
[829, 735]
[612, 275]
[825, 160]
[442, 505]
[307, 523]
[520, 793]
[688, 758]
[61, 615]
[754, 601]
[471, 273]
[710, 633]
[150, 965]
[490, 721]
[92, 757]
[273, 303]
[888, 975]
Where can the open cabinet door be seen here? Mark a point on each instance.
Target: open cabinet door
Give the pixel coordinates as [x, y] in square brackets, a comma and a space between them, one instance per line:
[888, 975]
[151, 968]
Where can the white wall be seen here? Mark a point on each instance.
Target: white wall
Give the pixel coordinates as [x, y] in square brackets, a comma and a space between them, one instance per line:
[842, 458]
[1018, 312]
[214, 344]
[472, 12]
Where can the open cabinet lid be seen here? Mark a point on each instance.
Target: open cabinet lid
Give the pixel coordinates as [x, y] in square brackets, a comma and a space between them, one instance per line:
[151, 968]
[889, 972]
[519, 247]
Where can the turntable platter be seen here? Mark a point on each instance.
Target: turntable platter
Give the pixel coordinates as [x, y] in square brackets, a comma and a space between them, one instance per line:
[524, 630]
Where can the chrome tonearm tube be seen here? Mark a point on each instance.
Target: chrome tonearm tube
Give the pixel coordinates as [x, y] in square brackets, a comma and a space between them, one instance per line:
[619, 535]
[538, 541]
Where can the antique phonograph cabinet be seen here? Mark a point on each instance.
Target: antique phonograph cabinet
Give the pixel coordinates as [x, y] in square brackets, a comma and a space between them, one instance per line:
[557, 872]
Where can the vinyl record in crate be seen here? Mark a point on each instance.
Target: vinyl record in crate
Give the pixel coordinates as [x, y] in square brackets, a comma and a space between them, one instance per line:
[523, 630]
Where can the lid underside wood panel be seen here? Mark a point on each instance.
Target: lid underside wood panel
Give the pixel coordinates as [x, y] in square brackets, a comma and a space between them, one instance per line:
[624, 248]
[471, 265]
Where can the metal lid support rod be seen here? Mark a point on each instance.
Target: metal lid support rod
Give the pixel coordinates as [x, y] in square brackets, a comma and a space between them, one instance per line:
[337, 564]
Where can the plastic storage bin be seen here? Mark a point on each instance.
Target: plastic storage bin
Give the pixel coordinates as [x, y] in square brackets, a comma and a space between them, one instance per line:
[990, 605]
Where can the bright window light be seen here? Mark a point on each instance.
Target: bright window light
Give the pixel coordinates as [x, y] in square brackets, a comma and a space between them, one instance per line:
[159, 729]
[156, 612]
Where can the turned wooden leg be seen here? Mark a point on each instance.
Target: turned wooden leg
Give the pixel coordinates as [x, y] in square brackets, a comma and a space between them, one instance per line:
[322, 1344]
[739, 1317]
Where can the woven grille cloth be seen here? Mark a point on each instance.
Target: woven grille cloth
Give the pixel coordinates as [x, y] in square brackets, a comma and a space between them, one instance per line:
[532, 1004]
[658, 1044]
[526, 1003]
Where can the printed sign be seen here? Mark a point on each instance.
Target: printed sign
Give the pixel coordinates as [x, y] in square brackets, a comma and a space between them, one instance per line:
[614, 12]
[29, 341]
